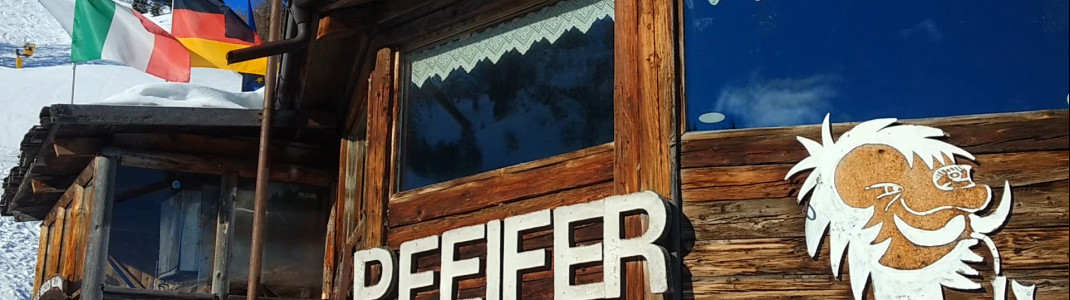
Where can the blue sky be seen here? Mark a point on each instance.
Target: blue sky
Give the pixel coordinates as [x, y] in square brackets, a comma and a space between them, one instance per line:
[780, 63]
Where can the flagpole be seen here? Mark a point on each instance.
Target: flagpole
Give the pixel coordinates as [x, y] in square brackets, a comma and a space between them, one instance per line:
[74, 73]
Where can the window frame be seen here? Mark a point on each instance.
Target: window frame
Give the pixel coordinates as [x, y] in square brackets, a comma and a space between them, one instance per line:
[402, 71]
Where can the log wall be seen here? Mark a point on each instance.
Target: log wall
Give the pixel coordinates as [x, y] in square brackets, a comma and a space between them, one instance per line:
[744, 236]
[64, 234]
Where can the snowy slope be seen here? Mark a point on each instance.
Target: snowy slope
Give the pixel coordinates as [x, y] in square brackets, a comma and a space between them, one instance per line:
[47, 80]
[23, 21]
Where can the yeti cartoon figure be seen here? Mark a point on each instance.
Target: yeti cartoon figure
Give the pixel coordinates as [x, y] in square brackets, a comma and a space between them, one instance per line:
[904, 213]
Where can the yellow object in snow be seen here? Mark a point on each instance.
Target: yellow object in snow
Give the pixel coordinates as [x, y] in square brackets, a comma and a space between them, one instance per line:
[26, 51]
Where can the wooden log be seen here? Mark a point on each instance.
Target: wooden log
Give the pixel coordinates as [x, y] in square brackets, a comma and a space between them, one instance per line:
[1039, 205]
[100, 228]
[767, 181]
[980, 134]
[489, 189]
[1030, 248]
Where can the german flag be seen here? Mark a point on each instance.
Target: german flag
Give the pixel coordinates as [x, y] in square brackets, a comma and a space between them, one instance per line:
[209, 30]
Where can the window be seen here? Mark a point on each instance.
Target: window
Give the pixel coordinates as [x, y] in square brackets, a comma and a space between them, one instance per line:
[295, 228]
[532, 87]
[781, 63]
[162, 231]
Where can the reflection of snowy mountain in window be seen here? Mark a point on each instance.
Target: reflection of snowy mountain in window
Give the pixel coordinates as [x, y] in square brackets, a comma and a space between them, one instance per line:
[552, 99]
[519, 34]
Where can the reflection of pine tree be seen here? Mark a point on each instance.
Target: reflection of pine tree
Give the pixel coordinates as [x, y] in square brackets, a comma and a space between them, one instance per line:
[156, 7]
[517, 86]
[141, 6]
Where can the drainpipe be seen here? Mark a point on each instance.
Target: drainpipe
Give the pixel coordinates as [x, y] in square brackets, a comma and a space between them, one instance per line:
[256, 250]
[301, 12]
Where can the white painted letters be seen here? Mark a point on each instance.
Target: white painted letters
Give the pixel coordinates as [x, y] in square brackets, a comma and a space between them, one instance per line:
[361, 258]
[452, 268]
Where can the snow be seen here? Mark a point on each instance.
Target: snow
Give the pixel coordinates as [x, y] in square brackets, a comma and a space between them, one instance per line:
[185, 95]
[46, 80]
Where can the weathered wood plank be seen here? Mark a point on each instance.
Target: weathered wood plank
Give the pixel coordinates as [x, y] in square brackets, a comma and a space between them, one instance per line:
[1039, 205]
[71, 255]
[42, 261]
[767, 181]
[55, 243]
[563, 172]
[377, 175]
[400, 234]
[1051, 284]
[1030, 248]
[981, 134]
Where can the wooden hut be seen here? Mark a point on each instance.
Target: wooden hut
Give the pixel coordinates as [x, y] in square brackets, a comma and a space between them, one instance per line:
[510, 149]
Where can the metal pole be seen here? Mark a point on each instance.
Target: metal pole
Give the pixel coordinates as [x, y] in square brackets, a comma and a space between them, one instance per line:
[256, 250]
[74, 73]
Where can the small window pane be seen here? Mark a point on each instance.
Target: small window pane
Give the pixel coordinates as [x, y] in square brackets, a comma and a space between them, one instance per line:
[295, 230]
[781, 63]
[162, 230]
[533, 87]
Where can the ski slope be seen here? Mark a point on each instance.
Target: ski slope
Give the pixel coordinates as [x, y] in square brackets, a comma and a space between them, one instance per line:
[46, 80]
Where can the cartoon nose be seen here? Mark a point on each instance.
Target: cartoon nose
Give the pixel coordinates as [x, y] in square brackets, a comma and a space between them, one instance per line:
[952, 177]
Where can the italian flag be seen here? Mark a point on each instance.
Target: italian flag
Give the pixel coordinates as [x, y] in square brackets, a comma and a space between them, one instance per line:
[101, 29]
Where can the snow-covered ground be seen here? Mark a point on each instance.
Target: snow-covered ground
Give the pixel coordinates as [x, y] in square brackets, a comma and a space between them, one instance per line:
[46, 80]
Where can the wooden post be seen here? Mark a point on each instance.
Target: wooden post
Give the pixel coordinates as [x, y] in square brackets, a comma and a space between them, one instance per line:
[381, 116]
[645, 112]
[224, 235]
[99, 229]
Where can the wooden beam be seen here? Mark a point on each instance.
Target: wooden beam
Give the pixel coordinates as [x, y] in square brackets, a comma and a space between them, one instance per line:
[219, 165]
[80, 146]
[100, 229]
[42, 187]
[286, 152]
[182, 116]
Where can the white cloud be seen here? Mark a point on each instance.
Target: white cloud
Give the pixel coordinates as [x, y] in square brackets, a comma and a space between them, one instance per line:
[925, 28]
[778, 102]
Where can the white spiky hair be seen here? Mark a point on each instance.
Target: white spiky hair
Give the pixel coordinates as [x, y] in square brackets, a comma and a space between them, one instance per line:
[825, 201]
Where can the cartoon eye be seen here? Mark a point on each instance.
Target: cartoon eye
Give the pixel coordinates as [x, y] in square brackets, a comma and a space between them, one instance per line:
[946, 176]
[892, 190]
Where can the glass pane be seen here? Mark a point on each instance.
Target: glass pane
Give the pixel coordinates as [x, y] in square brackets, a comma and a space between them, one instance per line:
[780, 63]
[295, 230]
[529, 88]
[162, 230]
